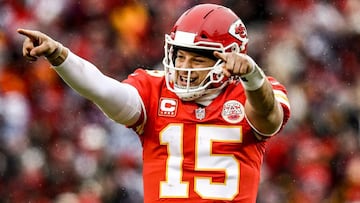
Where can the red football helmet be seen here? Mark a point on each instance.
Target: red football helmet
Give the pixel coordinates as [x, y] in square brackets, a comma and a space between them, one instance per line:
[203, 28]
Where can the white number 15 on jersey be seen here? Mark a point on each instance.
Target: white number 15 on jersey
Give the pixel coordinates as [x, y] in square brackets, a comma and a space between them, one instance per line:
[205, 160]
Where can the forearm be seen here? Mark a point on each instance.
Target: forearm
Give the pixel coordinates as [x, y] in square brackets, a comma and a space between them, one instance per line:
[262, 109]
[258, 90]
[121, 102]
[262, 100]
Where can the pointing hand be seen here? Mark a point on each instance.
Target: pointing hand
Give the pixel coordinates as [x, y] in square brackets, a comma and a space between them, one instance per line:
[37, 44]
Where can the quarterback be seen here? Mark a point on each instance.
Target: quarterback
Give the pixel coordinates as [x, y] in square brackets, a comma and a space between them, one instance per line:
[203, 121]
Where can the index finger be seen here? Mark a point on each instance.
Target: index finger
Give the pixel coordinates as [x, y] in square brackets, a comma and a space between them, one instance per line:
[220, 55]
[33, 35]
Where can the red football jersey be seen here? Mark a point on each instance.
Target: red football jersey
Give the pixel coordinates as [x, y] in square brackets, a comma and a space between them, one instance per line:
[198, 154]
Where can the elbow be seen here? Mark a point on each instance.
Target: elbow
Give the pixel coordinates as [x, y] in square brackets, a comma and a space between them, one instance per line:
[268, 122]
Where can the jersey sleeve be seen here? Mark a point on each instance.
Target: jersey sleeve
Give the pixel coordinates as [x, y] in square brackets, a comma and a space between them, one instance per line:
[280, 94]
[140, 81]
[147, 83]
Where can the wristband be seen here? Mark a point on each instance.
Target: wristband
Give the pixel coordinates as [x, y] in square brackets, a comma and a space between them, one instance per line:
[253, 80]
[56, 53]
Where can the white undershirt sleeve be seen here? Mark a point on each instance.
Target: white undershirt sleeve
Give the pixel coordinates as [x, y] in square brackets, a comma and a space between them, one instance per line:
[119, 101]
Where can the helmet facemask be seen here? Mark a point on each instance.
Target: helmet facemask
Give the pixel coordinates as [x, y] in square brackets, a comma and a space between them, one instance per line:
[214, 81]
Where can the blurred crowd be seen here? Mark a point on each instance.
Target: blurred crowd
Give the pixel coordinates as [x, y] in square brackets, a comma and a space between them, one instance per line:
[57, 147]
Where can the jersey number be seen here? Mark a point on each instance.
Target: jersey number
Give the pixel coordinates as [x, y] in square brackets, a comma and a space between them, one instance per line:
[205, 160]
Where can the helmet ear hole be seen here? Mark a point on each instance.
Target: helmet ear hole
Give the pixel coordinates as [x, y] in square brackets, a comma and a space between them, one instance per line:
[235, 48]
[204, 36]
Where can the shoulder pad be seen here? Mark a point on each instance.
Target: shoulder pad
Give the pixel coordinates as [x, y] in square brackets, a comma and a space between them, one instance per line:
[155, 73]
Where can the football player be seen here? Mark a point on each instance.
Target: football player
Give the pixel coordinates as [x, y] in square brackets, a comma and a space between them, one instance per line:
[204, 120]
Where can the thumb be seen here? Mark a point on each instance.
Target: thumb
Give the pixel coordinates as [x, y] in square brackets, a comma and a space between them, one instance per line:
[37, 44]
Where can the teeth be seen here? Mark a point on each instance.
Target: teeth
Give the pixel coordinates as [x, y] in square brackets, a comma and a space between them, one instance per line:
[185, 79]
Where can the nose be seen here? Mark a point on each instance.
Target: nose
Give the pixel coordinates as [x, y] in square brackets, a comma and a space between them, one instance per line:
[185, 64]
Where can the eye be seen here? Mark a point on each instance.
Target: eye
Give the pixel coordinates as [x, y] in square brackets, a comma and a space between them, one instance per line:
[199, 60]
[180, 57]
[202, 60]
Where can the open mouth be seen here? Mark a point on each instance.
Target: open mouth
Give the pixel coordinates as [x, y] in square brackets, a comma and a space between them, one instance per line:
[183, 81]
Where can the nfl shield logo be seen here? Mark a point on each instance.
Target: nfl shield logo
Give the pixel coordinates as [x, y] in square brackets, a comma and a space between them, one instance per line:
[200, 113]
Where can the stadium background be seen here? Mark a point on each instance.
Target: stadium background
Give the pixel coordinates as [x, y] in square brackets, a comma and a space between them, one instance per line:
[58, 147]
